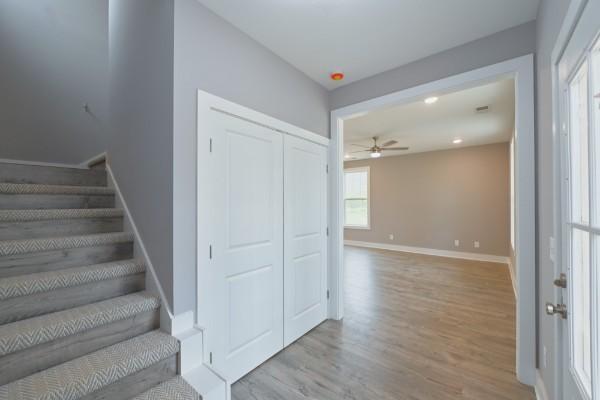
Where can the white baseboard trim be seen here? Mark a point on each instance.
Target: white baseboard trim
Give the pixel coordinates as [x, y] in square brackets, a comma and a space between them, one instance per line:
[41, 163]
[513, 276]
[540, 387]
[94, 160]
[430, 252]
[130, 223]
[209, 384]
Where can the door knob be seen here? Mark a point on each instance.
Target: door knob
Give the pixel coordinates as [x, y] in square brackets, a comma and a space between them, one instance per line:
[554, 309]
[561, 281]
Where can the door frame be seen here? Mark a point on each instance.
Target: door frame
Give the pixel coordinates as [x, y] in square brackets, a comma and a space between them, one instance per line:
[522, 70]
[574, 12]
[207, 103]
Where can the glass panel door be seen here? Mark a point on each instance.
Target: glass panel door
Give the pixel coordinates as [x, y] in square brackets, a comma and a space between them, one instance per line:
[595, 218]
[579, 84]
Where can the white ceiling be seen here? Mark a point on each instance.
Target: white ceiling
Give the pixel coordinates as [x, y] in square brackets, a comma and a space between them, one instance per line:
[364, 37]
[428, 127]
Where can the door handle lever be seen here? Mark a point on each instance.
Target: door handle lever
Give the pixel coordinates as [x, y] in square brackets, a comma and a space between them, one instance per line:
[556, 309]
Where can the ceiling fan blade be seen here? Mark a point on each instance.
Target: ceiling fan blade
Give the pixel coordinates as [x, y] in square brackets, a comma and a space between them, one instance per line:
[388, 143]
[360, 145]
[395, 148]
[360, 151]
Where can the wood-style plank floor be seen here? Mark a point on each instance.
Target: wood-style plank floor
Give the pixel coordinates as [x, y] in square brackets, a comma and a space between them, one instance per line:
[415, 327]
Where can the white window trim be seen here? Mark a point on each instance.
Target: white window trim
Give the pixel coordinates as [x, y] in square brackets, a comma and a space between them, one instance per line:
[513, 219]
[366, 169]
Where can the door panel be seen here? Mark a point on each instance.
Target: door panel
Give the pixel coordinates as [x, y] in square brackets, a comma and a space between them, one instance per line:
[305, 237]
[247, 259]
[581, 207]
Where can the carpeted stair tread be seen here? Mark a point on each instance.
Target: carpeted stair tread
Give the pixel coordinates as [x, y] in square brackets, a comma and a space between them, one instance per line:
[28, 215]
[51, 175]
[173, 389]
[24, 285]
[31, 332]
[84, 375]
[31, 188]
[25, 246]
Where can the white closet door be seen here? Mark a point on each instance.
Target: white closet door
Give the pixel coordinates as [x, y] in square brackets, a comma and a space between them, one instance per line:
[247, 253]
[305, 268]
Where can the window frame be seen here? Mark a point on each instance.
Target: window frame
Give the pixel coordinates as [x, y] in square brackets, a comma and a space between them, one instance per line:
[366, 169]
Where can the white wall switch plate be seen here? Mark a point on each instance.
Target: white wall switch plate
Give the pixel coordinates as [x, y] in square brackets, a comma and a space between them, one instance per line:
[456, 243]
[552, 248]
[391, 236]
[476, 244]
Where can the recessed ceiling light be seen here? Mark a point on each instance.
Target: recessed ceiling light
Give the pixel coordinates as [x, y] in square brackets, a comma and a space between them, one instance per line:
[346, 156]
[457, 141]
[375, 154]
[431, 100]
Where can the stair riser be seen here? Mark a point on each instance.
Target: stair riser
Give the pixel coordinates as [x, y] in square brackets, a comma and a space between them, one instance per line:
[66, 227]
[53, 201]
[19, 173]
[20, 364]
[23, 264]
[19, 308]
[138, 383]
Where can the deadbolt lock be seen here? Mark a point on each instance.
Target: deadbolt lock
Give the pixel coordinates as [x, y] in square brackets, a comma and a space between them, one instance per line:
[556, 309]
[561, 281]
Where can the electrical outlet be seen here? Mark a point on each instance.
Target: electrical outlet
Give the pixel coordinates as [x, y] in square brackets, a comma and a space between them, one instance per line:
[552, 248]
[476, 244]
[391, 236]
[456, 242]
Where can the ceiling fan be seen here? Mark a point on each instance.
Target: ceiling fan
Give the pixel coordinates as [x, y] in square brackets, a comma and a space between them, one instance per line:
[376, 150]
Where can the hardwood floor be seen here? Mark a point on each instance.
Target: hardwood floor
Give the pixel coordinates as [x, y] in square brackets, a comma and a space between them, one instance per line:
[416, 327]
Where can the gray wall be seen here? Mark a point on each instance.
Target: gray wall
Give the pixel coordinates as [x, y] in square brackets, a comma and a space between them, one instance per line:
[54, 59]
[550, 16]
[430, 199]
[492, 49]
[140, 143]
[212, 55]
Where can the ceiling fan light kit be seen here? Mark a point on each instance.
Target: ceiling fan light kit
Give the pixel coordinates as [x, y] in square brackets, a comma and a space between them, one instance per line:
[375, 150]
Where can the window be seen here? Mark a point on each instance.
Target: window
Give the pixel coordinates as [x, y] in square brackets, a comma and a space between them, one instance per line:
[580, 238]
[356, 198]
[583, 226]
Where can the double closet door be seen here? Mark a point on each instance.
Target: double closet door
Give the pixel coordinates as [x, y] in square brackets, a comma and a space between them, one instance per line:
[269, 244]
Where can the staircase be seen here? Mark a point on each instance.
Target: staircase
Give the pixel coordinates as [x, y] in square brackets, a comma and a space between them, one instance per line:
[75, 322]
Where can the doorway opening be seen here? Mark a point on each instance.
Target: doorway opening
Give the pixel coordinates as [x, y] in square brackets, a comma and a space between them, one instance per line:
[350, 205]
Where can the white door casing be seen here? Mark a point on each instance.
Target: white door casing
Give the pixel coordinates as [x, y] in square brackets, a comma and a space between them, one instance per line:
[522, 69]
[579, 214]
[247, 250]
[305, 238]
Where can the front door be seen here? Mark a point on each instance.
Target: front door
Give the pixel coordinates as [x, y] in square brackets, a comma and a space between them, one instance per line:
[579, 89]
[247, 246]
